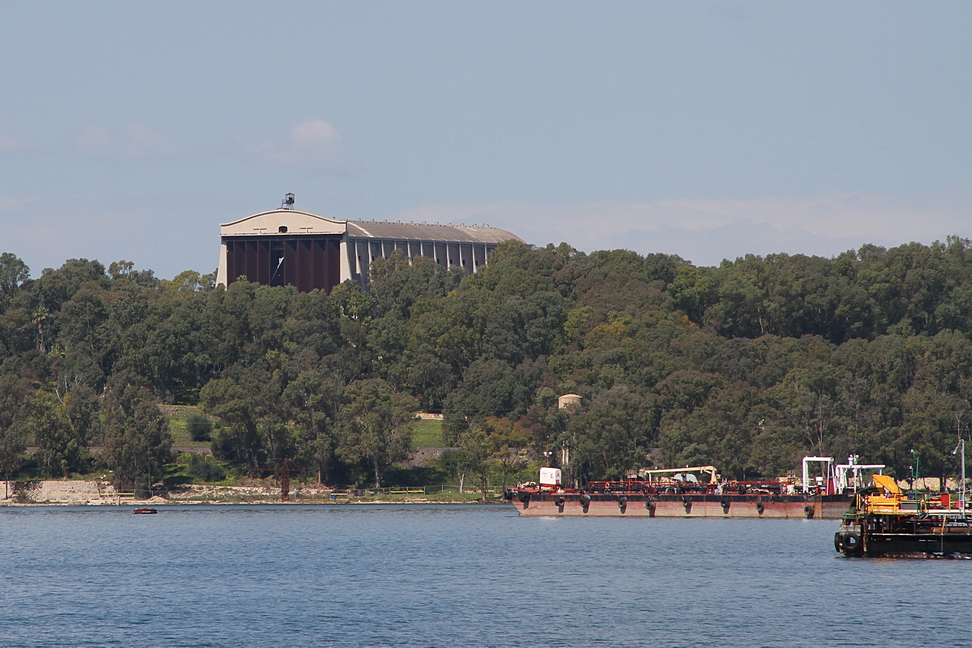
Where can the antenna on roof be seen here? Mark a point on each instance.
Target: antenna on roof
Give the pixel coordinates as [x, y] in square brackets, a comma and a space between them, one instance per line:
[288, 202]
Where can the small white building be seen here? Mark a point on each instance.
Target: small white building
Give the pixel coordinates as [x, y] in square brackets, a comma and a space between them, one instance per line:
[290, 247]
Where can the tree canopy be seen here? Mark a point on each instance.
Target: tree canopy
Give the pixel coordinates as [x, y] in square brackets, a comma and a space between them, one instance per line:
[748, 365]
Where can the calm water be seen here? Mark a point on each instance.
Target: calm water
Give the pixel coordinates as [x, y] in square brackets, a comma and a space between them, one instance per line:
[456, 576]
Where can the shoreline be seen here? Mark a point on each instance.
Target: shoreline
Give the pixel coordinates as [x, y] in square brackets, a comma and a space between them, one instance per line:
[173, 505]
[102, 494]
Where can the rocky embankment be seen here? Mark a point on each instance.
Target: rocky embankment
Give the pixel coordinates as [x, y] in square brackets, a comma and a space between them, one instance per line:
[96, 493]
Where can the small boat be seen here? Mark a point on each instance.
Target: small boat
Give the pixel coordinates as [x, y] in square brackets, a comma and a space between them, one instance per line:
[145, 511]
[886, 522]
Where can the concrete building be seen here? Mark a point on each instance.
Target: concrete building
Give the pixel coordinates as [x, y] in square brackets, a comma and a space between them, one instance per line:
[291, 247]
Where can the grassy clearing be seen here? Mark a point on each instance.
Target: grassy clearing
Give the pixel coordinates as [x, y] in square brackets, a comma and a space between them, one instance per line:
[178, 415]
[427, 433]
[178, 472]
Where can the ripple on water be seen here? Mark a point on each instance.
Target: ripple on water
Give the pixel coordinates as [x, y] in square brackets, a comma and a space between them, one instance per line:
[455, 576]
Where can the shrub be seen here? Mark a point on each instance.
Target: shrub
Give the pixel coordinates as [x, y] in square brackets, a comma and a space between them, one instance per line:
[200, 427]
[205, 469]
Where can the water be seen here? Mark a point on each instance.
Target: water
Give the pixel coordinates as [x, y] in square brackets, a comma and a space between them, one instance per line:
[456, 576]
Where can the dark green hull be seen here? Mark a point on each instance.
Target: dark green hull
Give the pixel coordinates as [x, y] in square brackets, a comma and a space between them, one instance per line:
[923, 544]
[874, 535]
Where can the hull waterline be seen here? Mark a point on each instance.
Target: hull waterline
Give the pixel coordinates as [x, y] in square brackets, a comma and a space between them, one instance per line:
[682, 506]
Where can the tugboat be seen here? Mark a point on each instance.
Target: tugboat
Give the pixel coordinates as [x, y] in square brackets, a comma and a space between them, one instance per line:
[695, 491]
[886, 522]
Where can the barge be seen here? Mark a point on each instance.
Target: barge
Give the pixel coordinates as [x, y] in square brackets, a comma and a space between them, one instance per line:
[679, 492]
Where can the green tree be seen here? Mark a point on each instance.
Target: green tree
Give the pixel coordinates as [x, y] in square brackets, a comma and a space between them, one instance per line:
[398, 282]
[205, 469]
[58, 450]
[311, 401]
[351, 301]
[693, 290]
[199, 426]
[375, 426]
[14, 394]
[239, 441]
[610, 435]
[520, 328]
[188, 283]
[490, 388]
[13, 274]
[507, 443]
[137, 442]
[497, 446]
[474, 455]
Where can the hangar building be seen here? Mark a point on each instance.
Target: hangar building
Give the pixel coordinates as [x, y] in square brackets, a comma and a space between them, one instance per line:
[288, 246]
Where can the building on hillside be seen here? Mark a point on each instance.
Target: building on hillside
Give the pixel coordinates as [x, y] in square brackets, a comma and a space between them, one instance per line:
[291, 247]
[569, 401]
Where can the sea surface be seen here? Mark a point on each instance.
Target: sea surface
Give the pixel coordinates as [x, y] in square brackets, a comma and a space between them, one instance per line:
[455, 576]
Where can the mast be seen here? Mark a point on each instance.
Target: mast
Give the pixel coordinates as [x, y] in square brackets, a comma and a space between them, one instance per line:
[960, 448]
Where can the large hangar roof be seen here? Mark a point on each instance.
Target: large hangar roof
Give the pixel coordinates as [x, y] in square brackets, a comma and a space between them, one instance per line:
[283, 221]
[429, 232]
[290, 221]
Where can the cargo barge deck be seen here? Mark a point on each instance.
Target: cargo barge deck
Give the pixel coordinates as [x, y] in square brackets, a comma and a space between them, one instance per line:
[679, 492]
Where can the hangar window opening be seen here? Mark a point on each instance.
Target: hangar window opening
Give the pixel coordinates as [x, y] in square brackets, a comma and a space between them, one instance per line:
[277, 277]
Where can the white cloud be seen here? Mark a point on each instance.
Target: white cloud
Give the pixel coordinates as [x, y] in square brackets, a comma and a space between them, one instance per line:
[706, 231]
[134, 141]
[313, 142]
[12, 144]
[8, 204]
[839, 214]
[315, 134]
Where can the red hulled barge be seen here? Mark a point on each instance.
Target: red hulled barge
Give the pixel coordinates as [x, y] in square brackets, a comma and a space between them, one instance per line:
[680, 492]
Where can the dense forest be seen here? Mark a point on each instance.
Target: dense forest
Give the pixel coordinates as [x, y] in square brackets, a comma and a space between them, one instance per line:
[747, 366]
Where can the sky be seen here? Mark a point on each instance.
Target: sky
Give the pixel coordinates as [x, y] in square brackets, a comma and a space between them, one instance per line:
[710, 129]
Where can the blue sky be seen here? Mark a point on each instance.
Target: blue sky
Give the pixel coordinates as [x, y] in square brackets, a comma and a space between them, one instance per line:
[710, 130]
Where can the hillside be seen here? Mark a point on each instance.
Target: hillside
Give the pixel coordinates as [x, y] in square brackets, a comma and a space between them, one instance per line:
[748, 366]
